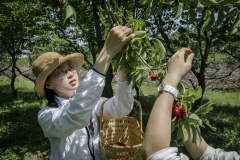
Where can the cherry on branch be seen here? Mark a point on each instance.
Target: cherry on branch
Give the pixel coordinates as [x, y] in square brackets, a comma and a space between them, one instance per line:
[154, 77]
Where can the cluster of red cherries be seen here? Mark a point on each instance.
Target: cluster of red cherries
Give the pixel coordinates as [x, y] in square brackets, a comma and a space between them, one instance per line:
[178, 111]
[121, 144]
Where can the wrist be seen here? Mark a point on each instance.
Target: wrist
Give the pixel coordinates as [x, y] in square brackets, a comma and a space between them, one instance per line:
[122, 74]
[102, 63]
[169, 89]
[171, 81]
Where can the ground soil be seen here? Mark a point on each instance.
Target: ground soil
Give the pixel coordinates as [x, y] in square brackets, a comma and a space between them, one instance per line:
[217, 82]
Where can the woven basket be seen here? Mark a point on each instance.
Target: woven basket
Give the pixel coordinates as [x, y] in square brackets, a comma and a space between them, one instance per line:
[121, 139]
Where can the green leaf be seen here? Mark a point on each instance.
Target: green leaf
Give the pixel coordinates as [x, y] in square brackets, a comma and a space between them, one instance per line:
[160, 48]
[101, 12]
[173, 124]
[140, 34]
[187, 1]
[196, 135]
[194, 116]
[187, 106]
[178, 11]
[190, 97]
[204, 109]
[186, 131]
[235, 30]
[139, 77]
[141, 68]
[181, 89]
[179, 133]
[225, 2]
[150, 31]
[150, 8]
[209, 125]
[200, 7]
[159, 8]
[136, 41]
[235, 25]
[192, 16]
[69, 12]
[220, 18]
[191, 120]
[135, 26]
[198, 93]
[209, 2]
[105, 33]
[143, 1]
[209, 22]
[231, 12]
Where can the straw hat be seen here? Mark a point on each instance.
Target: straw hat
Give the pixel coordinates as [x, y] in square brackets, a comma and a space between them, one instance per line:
[47, 63]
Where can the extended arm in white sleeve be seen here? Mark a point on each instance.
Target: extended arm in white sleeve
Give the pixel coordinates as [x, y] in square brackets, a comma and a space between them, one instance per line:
[121, 104]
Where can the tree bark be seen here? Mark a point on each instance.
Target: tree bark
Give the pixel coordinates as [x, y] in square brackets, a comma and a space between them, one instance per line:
[13, 77]
[201, 75]
[108, 91]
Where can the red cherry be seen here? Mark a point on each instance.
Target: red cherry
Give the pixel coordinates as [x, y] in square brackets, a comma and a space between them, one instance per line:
[175, 111]
[180, 108]
[123, 16]
[126, 144]
[154, 77]
[58, 3]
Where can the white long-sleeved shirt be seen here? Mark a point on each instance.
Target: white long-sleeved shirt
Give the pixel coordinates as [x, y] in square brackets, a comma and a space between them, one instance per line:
[65, 126]
[211, 153]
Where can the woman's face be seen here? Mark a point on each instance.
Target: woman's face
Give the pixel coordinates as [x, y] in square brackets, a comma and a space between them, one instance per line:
[64, 80]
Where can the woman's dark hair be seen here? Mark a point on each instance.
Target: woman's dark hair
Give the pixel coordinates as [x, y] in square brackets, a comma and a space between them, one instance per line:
[50, 95]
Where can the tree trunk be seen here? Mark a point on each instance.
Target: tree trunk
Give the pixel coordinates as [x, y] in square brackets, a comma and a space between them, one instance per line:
[98, 28]
[108, 91]
[201, 75]
[202, 83]
[137, 92]
[13, 77]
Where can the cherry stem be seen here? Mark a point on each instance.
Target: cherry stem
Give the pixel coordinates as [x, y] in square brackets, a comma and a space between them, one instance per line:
[111, 12]
[119, 10]
[144, 60]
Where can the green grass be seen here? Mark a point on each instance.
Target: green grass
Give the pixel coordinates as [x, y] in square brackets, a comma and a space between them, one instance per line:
[21, 137]
[223, 97]
[224, 116]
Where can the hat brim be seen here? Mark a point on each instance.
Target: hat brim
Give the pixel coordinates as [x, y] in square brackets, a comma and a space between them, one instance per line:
[75, 58]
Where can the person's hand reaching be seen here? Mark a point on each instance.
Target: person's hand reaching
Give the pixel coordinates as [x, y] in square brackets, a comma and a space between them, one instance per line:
[178, 66]
[117, 38]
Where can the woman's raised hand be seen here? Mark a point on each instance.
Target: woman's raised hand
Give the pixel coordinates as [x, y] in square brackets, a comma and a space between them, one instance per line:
[116, 40]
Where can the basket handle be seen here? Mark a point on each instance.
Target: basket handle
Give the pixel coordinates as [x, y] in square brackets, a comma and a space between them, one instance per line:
[140, 112]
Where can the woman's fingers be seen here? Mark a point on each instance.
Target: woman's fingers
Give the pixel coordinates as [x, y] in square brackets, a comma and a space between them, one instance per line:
[127, 34]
